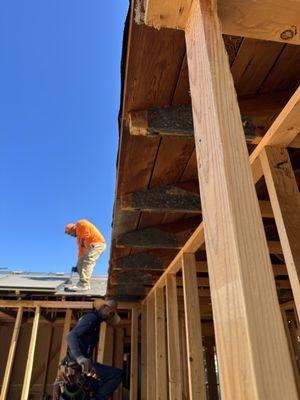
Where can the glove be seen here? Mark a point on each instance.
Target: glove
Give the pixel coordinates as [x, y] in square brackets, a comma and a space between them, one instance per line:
[85, 363]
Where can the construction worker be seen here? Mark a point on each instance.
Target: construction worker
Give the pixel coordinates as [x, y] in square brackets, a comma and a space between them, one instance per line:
[91, 244]
[79, 377]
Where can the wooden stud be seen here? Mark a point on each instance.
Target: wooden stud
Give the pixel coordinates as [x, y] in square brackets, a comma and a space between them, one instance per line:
[285, 199]
[11, 354]
[245, 306]
[105, 346]
[144, 352]
[174, 362]
[160, 345]
[183, 357]
[66, 329]
[118, 357]
[193, 328]
[30, 357]
[134, 355]
[151, 359]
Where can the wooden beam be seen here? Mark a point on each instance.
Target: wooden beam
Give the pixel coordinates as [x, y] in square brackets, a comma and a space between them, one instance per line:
[160, 345]
[118, 356]
[134, 355]
[174, 200]
[106, 344]
[174, 362]
[284, 195]
[66, 329]
[61, 305]
[144, 352]
[193, 328]
[238, 259]
[152, 238]
[151, 359]
[267, 19]
[162, 199]
[11, 355]
[139, 261]
[30, 357]
[175, 121]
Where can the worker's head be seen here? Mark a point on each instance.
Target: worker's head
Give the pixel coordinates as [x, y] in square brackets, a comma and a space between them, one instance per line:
[70, 229]
[108, 312]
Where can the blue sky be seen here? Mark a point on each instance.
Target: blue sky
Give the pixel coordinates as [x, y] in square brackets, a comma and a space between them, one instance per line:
[59, 100]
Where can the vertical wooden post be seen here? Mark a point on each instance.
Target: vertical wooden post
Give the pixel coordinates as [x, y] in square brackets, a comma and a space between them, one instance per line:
[11, 354]
[183, 356]
[160, 345]
[174, 362]
[285, 200]
[134, 354]
[66, 329]
[211, 369]
[193, 328]
[105, 346]
[118, 358]
[144, 352]
[248, 325]
[30, 357]
[151, 369]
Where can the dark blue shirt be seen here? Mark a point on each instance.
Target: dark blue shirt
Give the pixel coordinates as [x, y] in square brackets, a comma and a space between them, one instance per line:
[84, 336]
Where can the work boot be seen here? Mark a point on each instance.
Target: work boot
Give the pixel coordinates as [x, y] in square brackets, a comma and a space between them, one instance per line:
[79, 287]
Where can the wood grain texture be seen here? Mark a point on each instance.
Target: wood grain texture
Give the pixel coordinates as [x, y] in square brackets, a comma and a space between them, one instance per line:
[144, 352]
[11, 355]
[192, 314]
[151, 359]
[118, 357]
[285, 199]
[134, 355]
[30, 356]
[160, 345]
[174, 361]
[245, 306]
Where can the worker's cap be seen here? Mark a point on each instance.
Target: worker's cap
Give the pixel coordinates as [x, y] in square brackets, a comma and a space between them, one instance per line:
[69, 227]
[115, 319]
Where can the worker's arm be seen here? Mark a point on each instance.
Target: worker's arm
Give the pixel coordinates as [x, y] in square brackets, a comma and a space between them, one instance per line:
[83, 325]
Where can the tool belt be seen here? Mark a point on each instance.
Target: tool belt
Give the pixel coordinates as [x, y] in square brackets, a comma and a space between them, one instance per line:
[72, 384]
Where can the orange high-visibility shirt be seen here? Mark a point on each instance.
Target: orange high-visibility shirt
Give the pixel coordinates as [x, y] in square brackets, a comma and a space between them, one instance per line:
[86, 230]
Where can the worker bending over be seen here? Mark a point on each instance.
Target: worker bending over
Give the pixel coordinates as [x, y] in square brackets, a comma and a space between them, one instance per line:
[79, 377]
[91, 244]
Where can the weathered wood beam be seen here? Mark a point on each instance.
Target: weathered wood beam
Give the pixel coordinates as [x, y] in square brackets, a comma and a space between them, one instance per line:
[285, 199]
[139, 261]
[162, 199]
[174, 200]
[173, 121]
[266, 19]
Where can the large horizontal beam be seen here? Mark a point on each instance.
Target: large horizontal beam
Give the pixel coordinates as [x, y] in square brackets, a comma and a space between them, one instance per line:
[173, 200]
[59, 305]
[173, 121]
[266, 19]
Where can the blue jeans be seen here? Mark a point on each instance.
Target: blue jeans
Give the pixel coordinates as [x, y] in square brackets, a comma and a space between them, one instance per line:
[109, 380]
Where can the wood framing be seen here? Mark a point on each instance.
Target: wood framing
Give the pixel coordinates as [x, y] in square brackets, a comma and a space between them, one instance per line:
[251, 19]
[118, 357]
[134, 355]
[151, 359]
[106, 344]
[285, 199]
[66, 329]
[144, 352]
[241, 261]
[174, 361]
[192, 314]
[30, 357]
[160, 345]
[11, 354]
